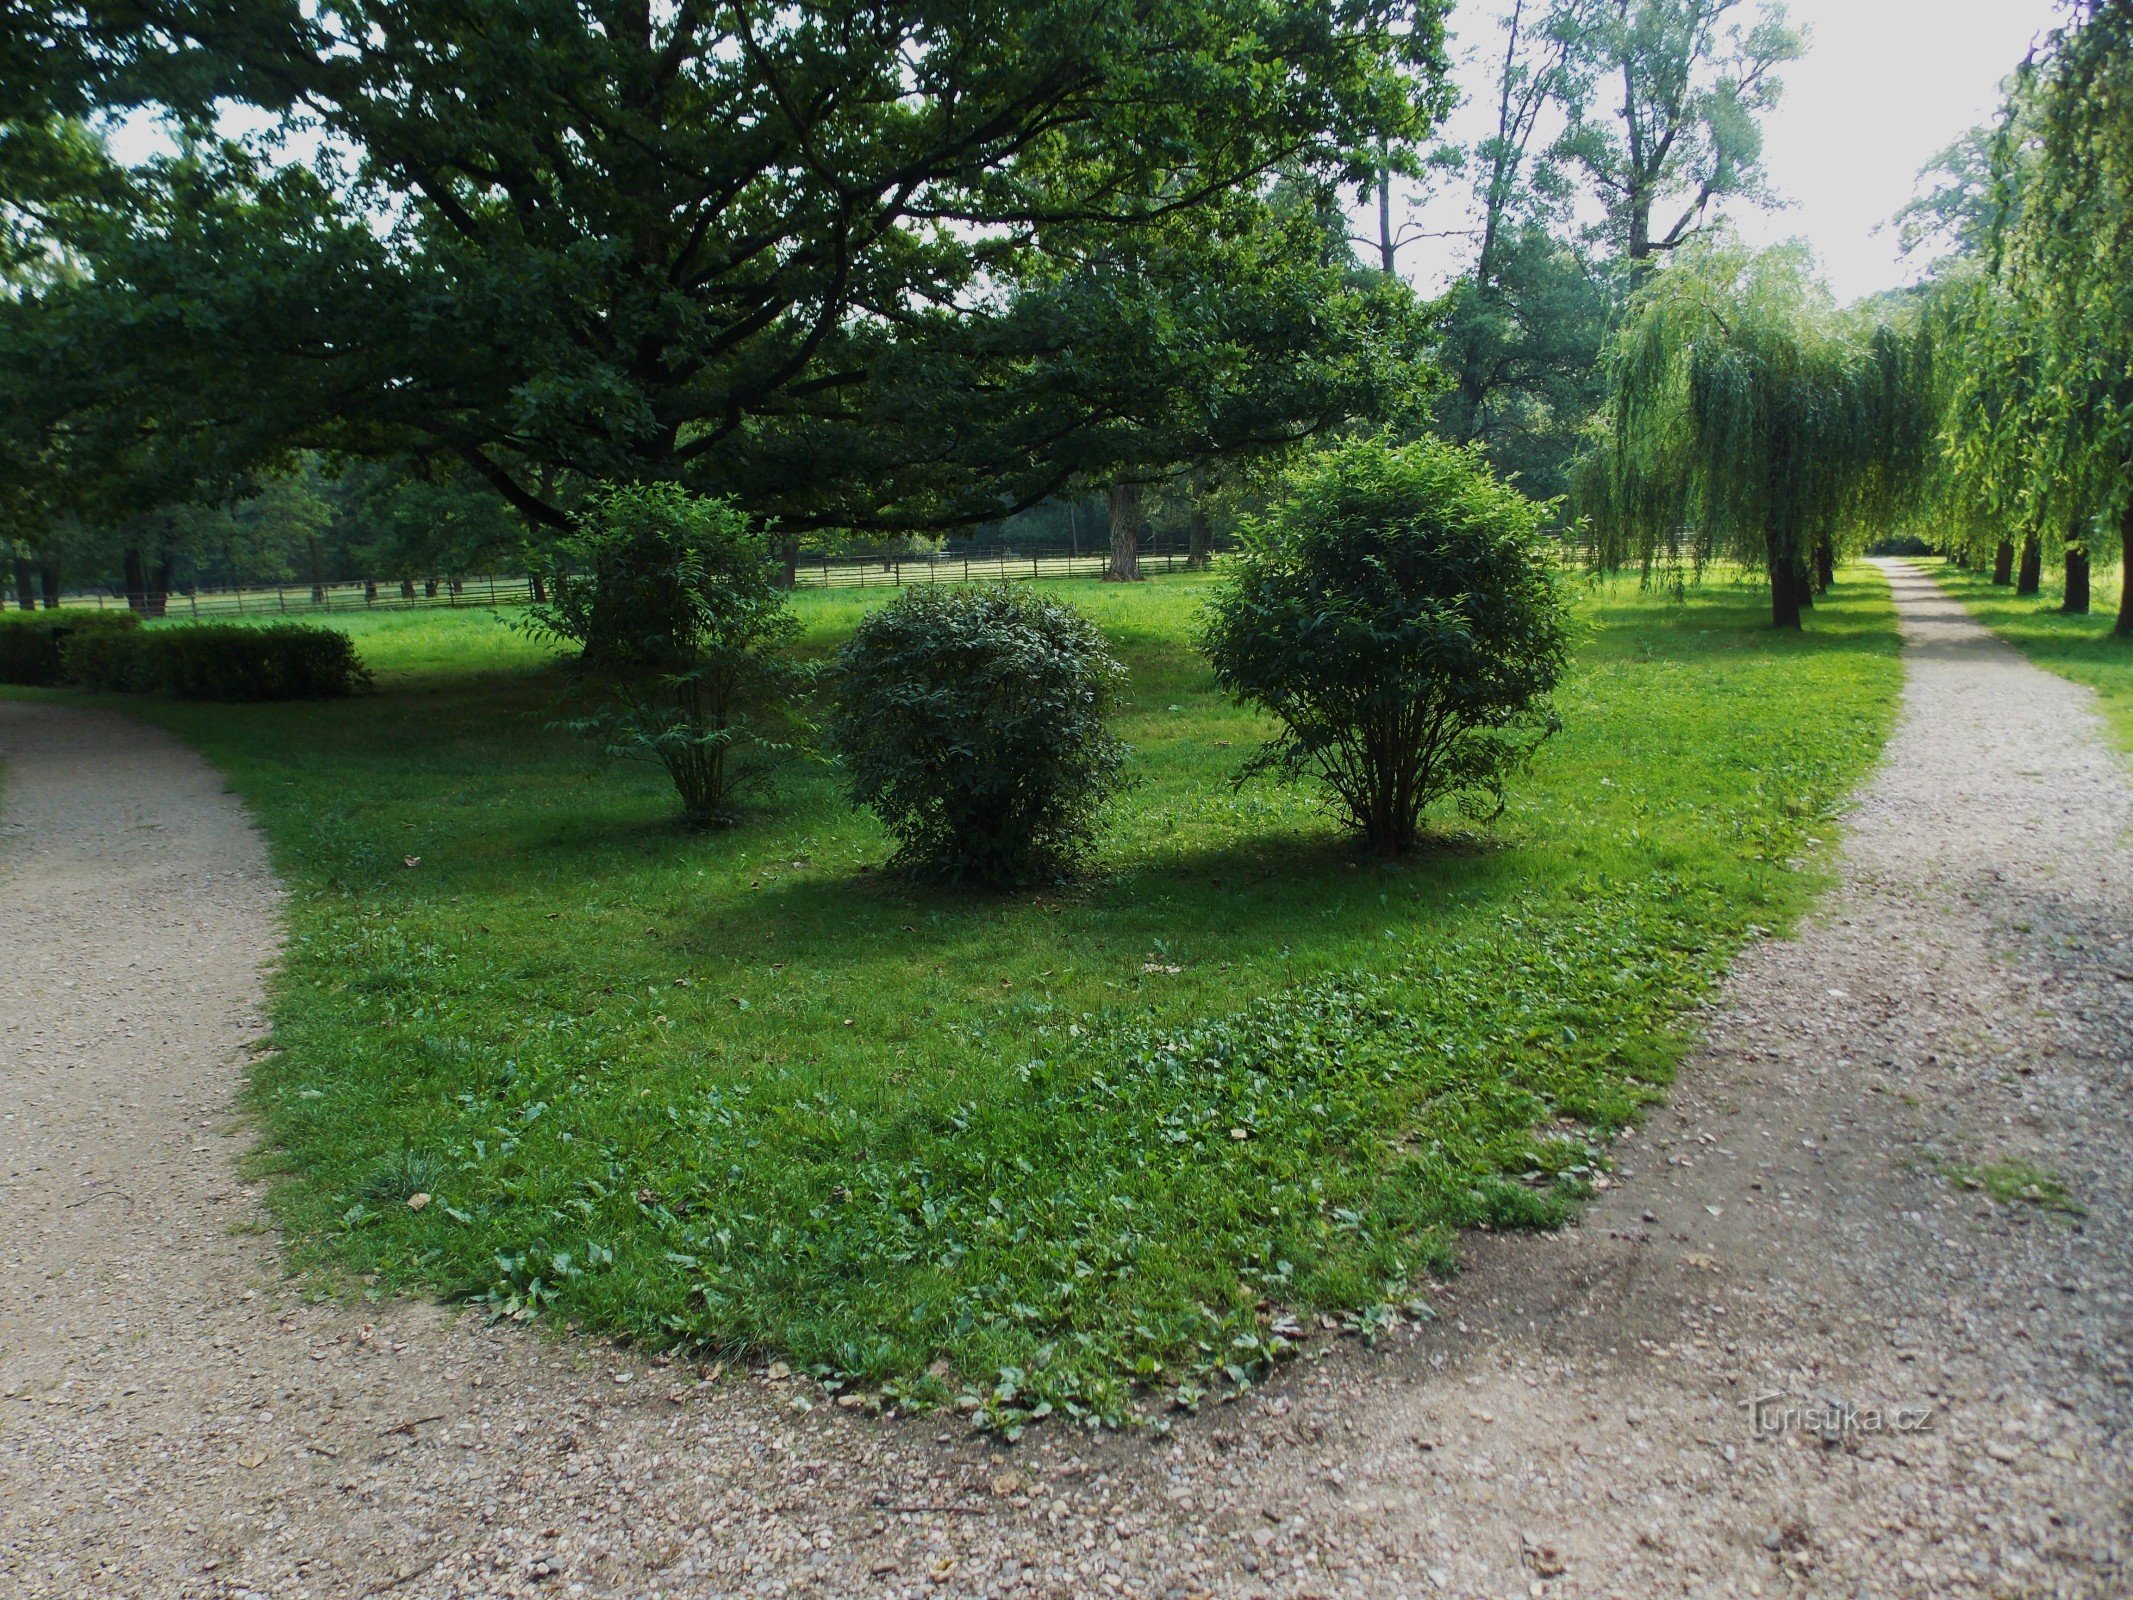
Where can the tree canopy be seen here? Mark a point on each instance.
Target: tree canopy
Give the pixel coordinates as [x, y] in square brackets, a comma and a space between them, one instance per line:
[1751, 419]
[886, 266]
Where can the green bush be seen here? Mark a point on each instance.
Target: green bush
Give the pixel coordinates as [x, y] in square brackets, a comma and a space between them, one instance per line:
[1397, 612]
[209, 661]
[32, 642]
[972, 722]
[673, 604]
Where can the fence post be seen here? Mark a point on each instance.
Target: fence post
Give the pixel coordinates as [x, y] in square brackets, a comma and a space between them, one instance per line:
[281, 600]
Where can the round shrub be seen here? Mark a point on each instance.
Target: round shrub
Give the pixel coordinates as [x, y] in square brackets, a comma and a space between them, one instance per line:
[972, 722]
[1397, 611]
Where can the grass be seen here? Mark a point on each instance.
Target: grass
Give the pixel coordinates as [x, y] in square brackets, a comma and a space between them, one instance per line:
[2011, 1181]
[2081, 648]
[1083, 1151]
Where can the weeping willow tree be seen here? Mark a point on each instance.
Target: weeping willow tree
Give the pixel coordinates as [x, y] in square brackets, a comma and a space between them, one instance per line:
[2044, 418]
[1751, 420]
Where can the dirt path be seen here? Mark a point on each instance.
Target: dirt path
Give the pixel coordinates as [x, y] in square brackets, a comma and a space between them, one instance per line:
[174, 1421]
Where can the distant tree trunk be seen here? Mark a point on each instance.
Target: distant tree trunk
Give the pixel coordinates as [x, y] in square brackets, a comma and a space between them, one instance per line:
[1388, 251]
[429, 588]
[1200, 539]
[159, 586]
[537, 588]
[2029, 578]
[136, 580]
[2076, 602]
[789, 562]
[1125, 503]
[318, 586]
[48, 577]
[1825, 564]
[407, 588]
[2003, 563]
[370, 591]
[25, 584]
[2125, 570]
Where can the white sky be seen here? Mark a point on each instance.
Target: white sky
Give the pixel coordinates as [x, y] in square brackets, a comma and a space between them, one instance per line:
[1884, 86]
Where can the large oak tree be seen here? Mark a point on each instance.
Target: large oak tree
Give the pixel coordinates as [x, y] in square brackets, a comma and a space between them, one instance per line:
[895, 264]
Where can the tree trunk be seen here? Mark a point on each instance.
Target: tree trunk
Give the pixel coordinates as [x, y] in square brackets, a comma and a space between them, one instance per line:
[1125, 502]
[159, 586]
[25, 584]
[2125, 570]
[1200, 541]
[2076, 603]
[48, 578]
[407, 588]
[1788, 587]
[1386, 248]
[318, 587]
[429, 588]
[537, 588]
[2029, 578]
[789, 562]
[2003, 563]
[136, 580]
[1825, 565]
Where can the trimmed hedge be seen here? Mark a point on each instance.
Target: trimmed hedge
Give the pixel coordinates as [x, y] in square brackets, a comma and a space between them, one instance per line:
[33, 643]
[218, 662]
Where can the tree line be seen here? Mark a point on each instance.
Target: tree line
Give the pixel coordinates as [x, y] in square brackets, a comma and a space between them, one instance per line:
[398, 289]
[1988, 412]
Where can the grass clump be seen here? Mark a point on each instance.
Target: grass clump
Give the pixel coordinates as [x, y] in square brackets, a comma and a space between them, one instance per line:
[2020, 1182]
[1087, 1151]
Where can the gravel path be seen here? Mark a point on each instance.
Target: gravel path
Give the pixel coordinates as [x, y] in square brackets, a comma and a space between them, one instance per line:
[176, 1421]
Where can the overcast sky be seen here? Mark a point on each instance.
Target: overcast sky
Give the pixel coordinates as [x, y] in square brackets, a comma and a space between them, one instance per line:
[1885, 85]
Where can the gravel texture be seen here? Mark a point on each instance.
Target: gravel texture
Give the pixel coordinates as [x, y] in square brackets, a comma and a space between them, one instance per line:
[1951, 1371]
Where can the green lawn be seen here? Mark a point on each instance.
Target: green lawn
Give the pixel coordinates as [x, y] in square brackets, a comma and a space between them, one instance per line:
[2082, 648]
[1087, 1150]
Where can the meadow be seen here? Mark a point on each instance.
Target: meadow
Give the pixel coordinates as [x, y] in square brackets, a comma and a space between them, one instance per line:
[1094, 1151]
[2081, 647]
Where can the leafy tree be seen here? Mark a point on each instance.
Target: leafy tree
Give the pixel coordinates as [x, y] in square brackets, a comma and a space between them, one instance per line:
[1522, 350]
[974, 722]
[876, 267]
[1683, 84]
[2053, 351]
[1751, 420]
[673, 606]
[1397, 612]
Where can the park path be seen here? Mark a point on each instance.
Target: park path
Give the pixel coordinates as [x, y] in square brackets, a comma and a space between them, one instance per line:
[176, 1420]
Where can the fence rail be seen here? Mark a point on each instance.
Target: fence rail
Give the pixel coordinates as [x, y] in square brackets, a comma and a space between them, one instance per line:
[302, 599]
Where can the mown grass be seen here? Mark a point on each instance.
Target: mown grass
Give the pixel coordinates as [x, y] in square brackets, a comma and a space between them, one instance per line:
[1081, 1150]
[2082, 648]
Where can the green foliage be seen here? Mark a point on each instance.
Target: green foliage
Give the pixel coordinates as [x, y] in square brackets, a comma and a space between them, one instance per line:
[1398, 613]
[216, 661]
[1522, 350]
[1669, 114]
[1064, 210]
[757, 1098]
[672, 604]
[32, 644]
[974, 723]
[2041, 424]
[1751, 420]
